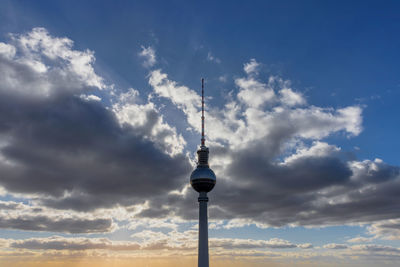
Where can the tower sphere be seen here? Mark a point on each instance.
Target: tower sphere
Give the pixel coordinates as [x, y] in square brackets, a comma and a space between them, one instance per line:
[203, 179]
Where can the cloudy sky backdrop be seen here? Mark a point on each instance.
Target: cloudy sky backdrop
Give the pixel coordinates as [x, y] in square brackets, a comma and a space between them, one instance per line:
[100, 121]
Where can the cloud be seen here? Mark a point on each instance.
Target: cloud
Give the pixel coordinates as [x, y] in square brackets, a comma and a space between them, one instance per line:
[291, 98]
[10, 205]
[318, 149]
[335, 246]
[231, 243]
[149, 56]
[211, 58]
[65, 70]
[19, 216]
[70, 153]
[251, 67]
[223, 78]
[90, 97]
[181, 96]
[305, 246]
[246, 119]
[76, 243]
[7, 51]
[375, 248]
[79, 147]
[153, 224]
[48, 224]
[150, 240]
[184, 98]
[388, 229]
[151, 124]
[360, 239]
[254, 93]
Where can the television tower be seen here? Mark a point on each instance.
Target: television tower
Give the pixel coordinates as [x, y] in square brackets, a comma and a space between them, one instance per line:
[203, 181]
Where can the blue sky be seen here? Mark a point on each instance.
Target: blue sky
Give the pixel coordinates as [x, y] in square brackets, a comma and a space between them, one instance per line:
[325, 72]
[337, 52]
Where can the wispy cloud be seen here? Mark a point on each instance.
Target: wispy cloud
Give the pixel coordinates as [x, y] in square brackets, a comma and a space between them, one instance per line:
[149, 56]
[212, 58]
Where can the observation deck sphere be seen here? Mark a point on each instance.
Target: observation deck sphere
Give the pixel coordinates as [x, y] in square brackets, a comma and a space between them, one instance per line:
[203, 179]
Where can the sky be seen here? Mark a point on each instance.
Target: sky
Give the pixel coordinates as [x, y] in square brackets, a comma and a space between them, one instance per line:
[100, 122]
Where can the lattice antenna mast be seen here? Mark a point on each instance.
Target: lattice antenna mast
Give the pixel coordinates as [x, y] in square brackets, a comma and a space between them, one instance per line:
[203, 141]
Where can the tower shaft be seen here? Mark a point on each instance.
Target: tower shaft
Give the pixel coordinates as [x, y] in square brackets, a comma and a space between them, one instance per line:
[203, 260]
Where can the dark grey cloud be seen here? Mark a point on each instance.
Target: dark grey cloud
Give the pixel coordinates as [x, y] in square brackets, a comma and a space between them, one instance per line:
[72, 225]
[310, 190]
[66, 144]
[10, 205]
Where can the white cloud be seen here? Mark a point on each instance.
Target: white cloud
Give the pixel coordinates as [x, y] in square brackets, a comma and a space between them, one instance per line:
[335, 246]
[78, 62]
[262, 115]
[254, 93]
[146, 116]
[7, 50]
[360, 239]
[153, 223]
[291, 98]
[130, 96]
[90, 97]
[210, 57]
[3, 192]
[187, 239]
[37, 64]
[149, 56]
[318, 149]
[235, 243]
[181, 96]
[305, 246]
[223, 78]
[252, 67]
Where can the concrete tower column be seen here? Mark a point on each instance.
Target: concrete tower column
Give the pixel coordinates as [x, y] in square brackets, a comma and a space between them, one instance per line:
[203, 231]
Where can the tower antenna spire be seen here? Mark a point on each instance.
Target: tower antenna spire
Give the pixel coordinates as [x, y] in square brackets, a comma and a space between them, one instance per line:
[203, 141]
